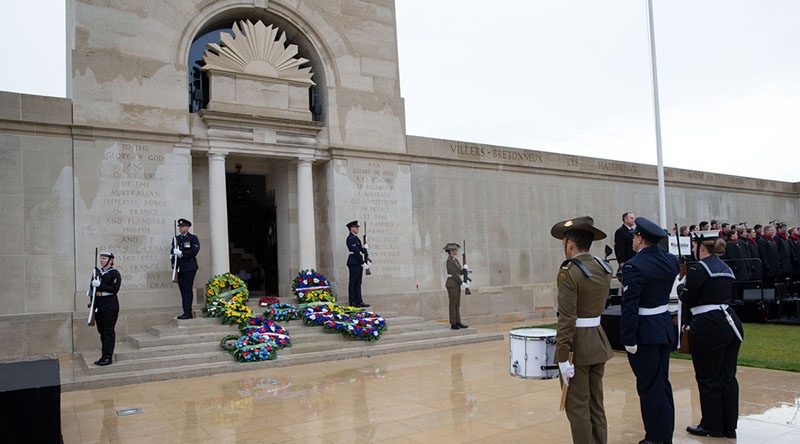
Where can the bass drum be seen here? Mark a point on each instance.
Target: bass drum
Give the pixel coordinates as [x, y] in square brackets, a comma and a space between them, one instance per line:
[532, 353]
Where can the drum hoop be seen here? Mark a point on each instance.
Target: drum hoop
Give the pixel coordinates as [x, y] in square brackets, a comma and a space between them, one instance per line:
[530, 338]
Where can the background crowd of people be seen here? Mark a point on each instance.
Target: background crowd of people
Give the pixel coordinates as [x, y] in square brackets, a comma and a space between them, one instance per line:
[776, 246]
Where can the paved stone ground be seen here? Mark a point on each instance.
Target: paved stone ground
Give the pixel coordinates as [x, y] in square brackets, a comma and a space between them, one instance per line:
[454, 394]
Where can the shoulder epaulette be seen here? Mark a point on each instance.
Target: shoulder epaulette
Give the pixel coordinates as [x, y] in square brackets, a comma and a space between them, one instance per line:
[603, 264]
[581, 266]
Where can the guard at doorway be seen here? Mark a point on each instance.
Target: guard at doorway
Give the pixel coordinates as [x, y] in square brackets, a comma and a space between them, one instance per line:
[185, 250]
[355, 265]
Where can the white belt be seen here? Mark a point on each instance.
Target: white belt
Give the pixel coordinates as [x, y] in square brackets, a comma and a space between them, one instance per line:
[653, 311]
[587, 322]
[700, 309]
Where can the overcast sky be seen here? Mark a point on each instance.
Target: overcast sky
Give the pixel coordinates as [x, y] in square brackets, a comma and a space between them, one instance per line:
[569, 76]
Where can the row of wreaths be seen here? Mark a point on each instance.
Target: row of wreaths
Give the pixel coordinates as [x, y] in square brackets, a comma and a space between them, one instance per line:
[261, 337]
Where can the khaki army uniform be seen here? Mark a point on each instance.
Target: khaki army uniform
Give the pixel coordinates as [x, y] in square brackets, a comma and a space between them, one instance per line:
[582, 293]
[453, 285]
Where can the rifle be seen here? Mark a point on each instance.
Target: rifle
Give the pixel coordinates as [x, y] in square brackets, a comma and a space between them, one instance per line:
[464, 270]
[174, 259]
[367, 260]
[92, 292]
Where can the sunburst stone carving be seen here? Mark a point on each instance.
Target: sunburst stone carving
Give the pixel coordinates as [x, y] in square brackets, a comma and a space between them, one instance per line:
[257, 51]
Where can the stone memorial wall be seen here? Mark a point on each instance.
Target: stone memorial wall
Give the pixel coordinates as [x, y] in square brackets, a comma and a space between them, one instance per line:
[128, 195]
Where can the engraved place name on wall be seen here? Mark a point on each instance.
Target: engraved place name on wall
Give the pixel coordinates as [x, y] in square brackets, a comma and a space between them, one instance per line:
[374, 201]
[465, 150]
[136, 214]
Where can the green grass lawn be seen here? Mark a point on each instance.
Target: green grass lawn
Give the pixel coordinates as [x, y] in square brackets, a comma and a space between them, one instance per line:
[768, 346]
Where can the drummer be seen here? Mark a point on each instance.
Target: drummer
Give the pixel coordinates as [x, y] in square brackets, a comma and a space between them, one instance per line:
[583, 283]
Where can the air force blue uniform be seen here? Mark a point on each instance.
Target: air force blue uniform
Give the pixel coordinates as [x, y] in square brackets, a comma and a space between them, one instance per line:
[647, 282]
[354, 261]
[189, 245]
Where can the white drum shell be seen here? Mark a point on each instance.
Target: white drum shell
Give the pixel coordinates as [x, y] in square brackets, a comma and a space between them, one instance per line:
[531, 349]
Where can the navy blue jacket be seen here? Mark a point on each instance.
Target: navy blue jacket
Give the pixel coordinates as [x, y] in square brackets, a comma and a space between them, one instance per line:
[647, 280]
[190, 246]
[355, 248]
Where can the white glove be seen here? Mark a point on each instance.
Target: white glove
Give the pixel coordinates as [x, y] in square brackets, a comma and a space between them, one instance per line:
[95, 282]
[365, 266]
[465, 267]
[366, 247]
[177, 252]
[465, 285]
[567, 371]
[631, 349]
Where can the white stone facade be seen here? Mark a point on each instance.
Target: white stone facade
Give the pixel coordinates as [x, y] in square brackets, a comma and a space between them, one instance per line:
[115, 164]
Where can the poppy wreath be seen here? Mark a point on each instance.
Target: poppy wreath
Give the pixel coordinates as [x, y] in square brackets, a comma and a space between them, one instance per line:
[311, 287]
[251, 347]
[281, 312]
[266, 301]
[236, 313]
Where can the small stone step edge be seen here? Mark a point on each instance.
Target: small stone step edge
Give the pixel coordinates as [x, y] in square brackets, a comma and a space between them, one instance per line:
[163, 374]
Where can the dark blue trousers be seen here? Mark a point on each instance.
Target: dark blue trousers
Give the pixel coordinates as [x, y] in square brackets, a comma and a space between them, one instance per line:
[650, 364]
[354, 285]
[185, 283]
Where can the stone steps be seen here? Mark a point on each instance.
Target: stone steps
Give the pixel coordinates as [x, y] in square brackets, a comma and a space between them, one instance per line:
[190, 347]
[189, 371]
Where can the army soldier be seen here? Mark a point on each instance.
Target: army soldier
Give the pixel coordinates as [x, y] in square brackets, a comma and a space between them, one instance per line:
[453, 285]
[106, 304]
[355, 265]
[646, 327]
[583, 283]
[185, 250]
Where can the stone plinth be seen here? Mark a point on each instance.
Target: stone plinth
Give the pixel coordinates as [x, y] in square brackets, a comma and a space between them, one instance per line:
[239, 93]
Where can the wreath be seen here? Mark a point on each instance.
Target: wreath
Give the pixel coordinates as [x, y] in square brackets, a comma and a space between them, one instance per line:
[312, 287]
[226, 295]
[251, 347]
[349, 321]
[268, 328]
[281, 312]
[266, 301]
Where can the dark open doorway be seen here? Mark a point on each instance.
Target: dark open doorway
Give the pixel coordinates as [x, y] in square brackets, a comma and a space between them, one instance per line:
[251, 232]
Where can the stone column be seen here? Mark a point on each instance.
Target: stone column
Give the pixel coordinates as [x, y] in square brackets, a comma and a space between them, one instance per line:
[218, 214]
[305, 215]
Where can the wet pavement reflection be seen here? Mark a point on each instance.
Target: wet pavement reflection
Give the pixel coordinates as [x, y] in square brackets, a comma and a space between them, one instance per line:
[454, 394]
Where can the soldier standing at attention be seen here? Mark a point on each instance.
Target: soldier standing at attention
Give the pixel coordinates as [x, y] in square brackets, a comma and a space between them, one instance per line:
[187, 245]
[106, 304]
[646, 328]
[355, 266]
[583, 283]
[453, 285]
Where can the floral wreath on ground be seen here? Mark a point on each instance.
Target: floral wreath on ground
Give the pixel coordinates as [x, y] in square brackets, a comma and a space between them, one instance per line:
[226, 295]
[311, 287]
[251, 347]
[349, 321]
[266, 301]
[281, 312]
[267, 327]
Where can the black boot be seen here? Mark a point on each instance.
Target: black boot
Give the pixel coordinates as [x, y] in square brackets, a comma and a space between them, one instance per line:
[699, 430]
[454, 326]
[460, 325]
[185, 316]
[104, 361]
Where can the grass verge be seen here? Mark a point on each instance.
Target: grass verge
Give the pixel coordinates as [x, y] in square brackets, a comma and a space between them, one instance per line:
[775, 347]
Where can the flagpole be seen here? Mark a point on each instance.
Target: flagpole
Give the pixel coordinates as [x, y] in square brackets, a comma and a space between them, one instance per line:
[662, 199]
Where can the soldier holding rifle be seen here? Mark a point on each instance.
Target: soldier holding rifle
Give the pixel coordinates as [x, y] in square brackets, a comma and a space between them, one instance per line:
[355, 265]
[105, 285]
[453, 284]
[184, 256]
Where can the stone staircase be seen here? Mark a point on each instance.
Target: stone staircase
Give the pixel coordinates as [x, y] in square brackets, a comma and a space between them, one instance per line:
[190, 348]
